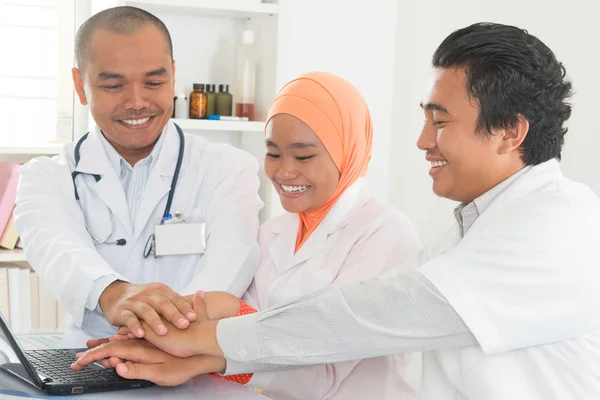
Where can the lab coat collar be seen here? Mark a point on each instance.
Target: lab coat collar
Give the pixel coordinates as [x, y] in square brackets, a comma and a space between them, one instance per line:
[118, 162]
[531, 181]
[94, 160]
[286, 229]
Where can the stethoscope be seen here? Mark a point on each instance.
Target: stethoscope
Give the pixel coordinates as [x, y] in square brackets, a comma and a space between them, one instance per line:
[166, 215]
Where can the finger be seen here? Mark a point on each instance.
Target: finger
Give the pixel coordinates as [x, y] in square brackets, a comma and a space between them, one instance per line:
[184, 307]
[117, 338]
[123, 330]
[149, 372]
[167, 309]
[199, 306]
[88, 357]
[152, 337]
[132, 322]
[96, 342]
[114, 361]
[188, 299]
[149, 315]
[106, 364]
[134, 350]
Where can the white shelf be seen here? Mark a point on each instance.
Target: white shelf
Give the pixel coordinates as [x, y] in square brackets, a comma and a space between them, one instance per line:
[222, 126]
[219, 8]
[191, 125]
[51, 148]
[15, 255]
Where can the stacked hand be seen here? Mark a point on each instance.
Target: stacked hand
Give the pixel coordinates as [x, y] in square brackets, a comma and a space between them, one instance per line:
[168, 358]
[126, 304]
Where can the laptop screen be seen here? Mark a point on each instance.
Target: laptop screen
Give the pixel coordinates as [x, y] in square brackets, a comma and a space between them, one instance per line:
[7, 354]
[12, 353]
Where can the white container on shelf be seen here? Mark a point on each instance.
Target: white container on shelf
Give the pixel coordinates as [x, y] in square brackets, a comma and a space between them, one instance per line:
[245, 89]
[181, 106]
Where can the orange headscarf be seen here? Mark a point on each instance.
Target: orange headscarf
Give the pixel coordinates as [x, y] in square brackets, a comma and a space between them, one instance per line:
[338, 114]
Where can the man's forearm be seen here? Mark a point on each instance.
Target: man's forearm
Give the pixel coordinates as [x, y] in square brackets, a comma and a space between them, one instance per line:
[404, 314]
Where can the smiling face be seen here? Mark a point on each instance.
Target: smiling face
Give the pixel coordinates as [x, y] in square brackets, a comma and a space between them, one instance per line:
[298, 164]
[128, 83]
[465, 163]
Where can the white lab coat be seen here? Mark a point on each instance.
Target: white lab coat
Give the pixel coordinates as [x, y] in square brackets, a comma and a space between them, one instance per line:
[357, 240]
[217, 186]
[526, 281]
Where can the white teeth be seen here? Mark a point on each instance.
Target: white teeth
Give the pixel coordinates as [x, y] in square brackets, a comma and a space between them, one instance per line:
[136, 121]
[294, 189]
[437, 164]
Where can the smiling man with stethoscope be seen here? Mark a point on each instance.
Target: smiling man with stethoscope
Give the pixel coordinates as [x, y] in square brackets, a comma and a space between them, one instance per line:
[136, 214]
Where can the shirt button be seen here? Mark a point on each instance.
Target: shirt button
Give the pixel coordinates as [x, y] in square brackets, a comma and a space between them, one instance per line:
[242, 352]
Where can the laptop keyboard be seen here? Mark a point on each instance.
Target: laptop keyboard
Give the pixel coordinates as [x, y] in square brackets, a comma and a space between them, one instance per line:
[56, 364]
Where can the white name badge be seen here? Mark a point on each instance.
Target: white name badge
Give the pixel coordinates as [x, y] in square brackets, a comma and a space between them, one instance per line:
[179, 238]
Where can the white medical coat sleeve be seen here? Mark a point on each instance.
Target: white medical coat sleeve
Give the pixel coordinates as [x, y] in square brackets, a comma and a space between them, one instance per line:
[346, 380]
[97, 288]
[527, 278]
[403, 313]
[231, 212]
[52, 228]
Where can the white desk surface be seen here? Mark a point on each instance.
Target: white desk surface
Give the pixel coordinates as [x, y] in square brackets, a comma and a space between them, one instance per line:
[199, 388]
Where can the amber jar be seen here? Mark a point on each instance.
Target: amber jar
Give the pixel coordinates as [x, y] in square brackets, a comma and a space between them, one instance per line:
[198, 102]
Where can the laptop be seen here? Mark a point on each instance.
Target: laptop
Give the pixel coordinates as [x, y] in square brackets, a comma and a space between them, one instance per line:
[50, 370]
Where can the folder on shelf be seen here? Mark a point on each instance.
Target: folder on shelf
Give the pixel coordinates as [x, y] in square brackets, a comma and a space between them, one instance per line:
[14, 298]
[9, 177]
[4, 304]
[35, 301]
[10, 237]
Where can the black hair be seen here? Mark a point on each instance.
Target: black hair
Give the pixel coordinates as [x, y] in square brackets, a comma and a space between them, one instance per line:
[123, 20]
[510, 72]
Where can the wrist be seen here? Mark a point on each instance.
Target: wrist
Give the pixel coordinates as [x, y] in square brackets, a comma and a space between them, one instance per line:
[111, 294]
[205, 335]
[208, 365]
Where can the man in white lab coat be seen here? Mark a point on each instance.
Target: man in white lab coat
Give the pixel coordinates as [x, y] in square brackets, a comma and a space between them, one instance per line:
[506, 305]
[135, 173]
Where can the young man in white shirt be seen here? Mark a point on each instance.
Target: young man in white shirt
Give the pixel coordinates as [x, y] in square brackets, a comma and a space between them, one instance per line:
[506, 305]
[88, 217]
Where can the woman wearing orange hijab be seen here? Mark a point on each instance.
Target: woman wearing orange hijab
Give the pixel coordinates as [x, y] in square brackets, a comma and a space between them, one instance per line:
[319, 139]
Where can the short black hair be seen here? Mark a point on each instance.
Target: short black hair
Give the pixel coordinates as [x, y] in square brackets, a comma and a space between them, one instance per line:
[511, 72]
[122, 20]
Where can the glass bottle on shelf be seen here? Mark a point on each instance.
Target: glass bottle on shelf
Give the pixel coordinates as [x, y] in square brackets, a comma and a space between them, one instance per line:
[210, 99]
[198, 102]
[223, 105]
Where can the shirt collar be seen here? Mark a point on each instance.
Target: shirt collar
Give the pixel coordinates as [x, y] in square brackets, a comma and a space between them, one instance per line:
[467, 214]
[118, 162]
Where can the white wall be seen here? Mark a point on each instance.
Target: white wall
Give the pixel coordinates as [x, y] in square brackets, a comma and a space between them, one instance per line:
[346, 38]
[570, 29]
